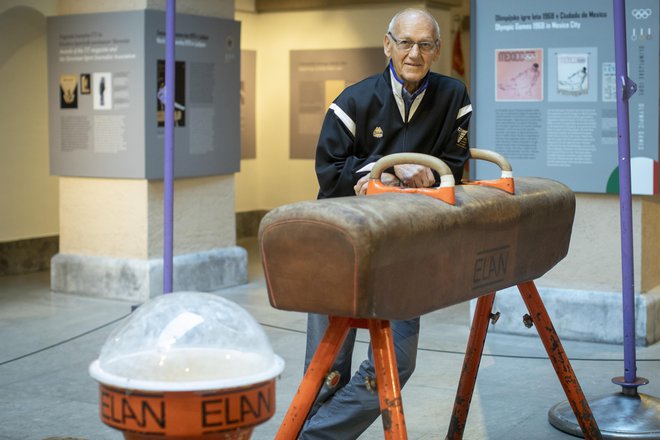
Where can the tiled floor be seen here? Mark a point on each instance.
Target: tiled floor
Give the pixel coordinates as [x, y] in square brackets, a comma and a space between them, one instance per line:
[47, 341]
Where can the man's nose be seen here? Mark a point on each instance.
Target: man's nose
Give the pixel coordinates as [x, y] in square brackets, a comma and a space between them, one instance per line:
[414, 51]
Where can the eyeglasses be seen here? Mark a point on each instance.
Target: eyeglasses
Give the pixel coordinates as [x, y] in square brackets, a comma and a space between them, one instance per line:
[406, 45]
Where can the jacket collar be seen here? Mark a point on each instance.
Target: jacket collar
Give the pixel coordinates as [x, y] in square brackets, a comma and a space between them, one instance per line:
[407, 102]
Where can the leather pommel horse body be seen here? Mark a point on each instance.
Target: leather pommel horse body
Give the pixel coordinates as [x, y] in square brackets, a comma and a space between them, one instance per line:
[399, 255]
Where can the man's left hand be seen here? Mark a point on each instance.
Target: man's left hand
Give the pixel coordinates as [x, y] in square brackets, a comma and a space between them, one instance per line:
[361, 185]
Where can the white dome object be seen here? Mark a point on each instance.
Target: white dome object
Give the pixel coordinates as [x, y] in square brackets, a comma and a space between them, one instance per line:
[187, 341]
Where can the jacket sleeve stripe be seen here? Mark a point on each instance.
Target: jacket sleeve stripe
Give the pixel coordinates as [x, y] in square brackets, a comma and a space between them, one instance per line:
[464, 111]
[344, 118]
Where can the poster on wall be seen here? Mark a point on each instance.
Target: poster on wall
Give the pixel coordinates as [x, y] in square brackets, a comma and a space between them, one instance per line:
[544, 90]
[106, 88]
[317, 78]
[519, 75]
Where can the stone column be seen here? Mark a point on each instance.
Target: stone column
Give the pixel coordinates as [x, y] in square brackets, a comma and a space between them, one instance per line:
[111, 230]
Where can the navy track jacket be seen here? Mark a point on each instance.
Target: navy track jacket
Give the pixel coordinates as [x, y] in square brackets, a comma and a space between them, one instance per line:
[369, 120]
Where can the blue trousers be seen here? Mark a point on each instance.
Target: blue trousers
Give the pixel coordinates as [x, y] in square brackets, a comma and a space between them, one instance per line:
[346, 411]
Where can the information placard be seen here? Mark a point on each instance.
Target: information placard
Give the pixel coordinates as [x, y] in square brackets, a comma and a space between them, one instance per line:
[106, 78]
[544, 90]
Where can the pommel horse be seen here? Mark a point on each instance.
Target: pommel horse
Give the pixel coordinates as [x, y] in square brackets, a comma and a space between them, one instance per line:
[394, 255]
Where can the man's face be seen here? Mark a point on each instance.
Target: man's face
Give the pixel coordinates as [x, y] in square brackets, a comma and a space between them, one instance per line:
[412, 65]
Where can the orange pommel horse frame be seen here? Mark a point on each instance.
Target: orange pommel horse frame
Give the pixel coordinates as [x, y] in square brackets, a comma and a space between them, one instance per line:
[387, 380]
[387, 377]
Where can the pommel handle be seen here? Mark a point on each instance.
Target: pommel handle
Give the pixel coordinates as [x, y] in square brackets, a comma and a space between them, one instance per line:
[444, 192]
[505, 182]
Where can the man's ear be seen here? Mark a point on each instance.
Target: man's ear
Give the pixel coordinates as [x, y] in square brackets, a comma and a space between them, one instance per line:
[387, 46]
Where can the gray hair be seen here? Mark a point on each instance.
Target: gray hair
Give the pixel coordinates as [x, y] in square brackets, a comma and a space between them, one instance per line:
[419, 11]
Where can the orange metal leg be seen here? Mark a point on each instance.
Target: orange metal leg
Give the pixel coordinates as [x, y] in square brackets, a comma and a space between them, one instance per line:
[387, 380]
[325, 355]
[471, 362]
[559, 360]
[387, 377]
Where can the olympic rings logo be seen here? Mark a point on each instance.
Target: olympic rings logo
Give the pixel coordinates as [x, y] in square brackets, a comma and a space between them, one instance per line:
[642, 14]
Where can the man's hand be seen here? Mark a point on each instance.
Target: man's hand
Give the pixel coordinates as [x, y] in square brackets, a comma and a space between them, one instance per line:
[387, 178]
[414, 176]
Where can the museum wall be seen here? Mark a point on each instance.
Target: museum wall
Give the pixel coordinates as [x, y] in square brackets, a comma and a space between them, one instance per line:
[30, 196]
[31, 206]
[31, 228]
[273, 179]
[28, 199]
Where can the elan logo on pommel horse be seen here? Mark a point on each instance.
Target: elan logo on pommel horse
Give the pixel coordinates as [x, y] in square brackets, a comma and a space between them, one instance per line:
[490, 266]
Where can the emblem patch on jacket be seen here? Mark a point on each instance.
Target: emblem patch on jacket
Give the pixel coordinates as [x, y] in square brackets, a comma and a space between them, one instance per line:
[378, 132]
[462, 139]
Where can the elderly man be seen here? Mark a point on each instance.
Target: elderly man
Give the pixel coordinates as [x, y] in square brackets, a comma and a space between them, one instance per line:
[407, 108]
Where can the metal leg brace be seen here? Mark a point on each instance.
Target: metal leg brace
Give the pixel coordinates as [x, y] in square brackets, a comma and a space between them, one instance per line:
[387, 377]
[553, 347]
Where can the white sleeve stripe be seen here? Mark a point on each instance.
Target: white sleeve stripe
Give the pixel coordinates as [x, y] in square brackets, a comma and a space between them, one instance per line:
[345, 119]
[367, 167]
[464, 111]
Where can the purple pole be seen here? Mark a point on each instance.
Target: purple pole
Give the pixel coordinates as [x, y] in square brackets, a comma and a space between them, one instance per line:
[625, 89]
[168, 172]
[627, 414]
